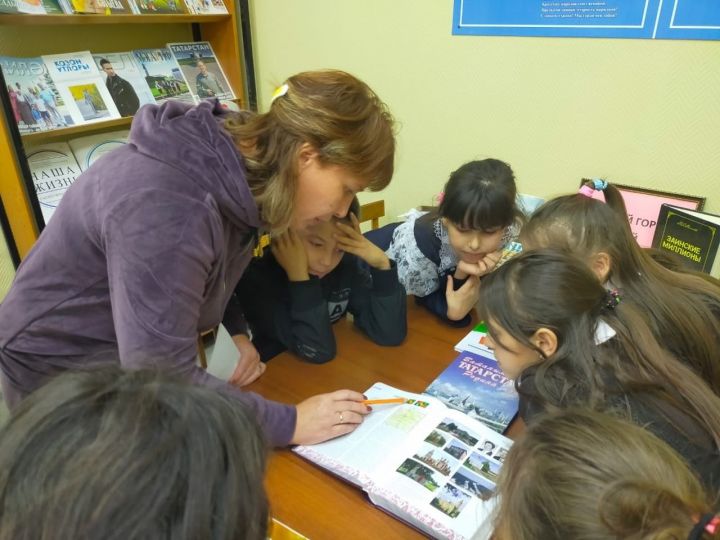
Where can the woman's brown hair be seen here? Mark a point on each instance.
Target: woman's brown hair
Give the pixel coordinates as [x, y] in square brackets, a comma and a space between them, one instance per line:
[681, 308]
[337, 114]
[584, 474]
[117, 455]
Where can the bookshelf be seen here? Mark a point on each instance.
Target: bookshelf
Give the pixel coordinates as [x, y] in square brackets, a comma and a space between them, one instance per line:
[35, 35]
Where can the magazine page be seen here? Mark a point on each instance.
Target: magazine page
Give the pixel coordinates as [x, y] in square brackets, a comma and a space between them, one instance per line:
[163, 75]
[125, 81]
[36, 104]
[357, 455]
[83, 91]
[201, 70]
[443, 483]
[475, 385]
[90, 148]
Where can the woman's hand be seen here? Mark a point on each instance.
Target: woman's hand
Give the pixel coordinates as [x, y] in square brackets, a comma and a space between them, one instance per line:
[460, 302]
[327, 416]
[290, 253]
[351, 240]
[249, 367]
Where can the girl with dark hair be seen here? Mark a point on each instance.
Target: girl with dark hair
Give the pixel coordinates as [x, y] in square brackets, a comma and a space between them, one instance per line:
[568, 342]
[441, 255]
[682, 309]
[583, 474]
[117, 455]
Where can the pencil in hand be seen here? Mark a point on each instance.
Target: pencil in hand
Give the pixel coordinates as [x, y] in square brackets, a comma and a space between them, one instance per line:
[386, 401]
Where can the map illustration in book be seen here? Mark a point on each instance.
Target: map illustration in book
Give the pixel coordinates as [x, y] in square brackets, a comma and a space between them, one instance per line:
[201, 69]
[475, 385]
[432, 467]
[36, 103]
[163, 75]
[77, 79]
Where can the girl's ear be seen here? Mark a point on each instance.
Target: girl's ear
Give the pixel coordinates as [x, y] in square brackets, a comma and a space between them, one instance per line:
[545, 340]
[601, 264]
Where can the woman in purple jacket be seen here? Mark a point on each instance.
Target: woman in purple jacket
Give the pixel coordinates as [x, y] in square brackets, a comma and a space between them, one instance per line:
[148, 244]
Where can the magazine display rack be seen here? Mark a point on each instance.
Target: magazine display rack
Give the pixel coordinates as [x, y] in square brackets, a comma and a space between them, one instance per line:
[35, 35]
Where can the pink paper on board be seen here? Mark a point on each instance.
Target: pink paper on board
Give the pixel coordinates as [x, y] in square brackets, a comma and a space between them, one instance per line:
[643, 210]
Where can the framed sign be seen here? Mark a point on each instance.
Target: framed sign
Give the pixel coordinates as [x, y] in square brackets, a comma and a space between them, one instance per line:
[643, 208]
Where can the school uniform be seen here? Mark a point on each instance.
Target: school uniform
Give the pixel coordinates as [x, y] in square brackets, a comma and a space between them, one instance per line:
[298, 316]
[421, 249]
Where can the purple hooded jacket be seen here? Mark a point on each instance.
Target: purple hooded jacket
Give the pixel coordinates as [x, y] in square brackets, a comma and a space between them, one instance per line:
[143, 252]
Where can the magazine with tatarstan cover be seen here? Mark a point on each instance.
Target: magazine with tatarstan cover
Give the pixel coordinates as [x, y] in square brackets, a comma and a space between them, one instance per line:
[201, 70]
[431, 466]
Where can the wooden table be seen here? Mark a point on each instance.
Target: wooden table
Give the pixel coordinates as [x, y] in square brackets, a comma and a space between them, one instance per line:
[308, 498]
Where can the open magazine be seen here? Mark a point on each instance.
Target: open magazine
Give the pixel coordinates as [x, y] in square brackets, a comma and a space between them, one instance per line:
[431, 466]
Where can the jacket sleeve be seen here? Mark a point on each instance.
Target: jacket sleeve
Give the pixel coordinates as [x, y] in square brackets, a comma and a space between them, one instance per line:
[436, 302]
[159, 261]
[378, 304]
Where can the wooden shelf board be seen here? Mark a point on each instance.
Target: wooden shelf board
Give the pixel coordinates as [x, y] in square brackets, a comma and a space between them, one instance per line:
[25, 19]
[64, 133]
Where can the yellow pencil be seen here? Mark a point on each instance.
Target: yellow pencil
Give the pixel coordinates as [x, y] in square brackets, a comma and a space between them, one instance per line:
[383, 401]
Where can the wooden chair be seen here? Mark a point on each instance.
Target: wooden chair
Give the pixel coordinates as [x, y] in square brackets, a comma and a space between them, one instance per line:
[372, 212]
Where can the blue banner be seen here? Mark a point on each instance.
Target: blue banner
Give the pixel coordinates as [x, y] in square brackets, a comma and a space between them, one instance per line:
[673, 19]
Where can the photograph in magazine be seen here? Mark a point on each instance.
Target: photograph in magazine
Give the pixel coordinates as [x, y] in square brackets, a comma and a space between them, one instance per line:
[163, 75]
[34, 99]
[89, 101]
[125, 81]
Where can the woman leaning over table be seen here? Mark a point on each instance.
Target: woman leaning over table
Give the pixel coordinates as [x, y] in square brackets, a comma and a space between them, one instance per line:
[148, 244]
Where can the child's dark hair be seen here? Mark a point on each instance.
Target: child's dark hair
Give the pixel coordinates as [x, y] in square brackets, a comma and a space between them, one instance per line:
[481, 195]
[583, 474]
[681, 308]
[116, 455]
[555, 290]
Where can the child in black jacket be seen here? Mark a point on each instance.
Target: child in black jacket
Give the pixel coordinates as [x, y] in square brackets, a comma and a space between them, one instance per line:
[308, 280]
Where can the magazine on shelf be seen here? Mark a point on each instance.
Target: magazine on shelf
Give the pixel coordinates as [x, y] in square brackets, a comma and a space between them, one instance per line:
[431, 466]
[206, 7]
[201, 70]
[168, 7]
[35, 101]
[54, 169]
[124, 80]
[89, 149]
[34, 7]
[101, 7]
[82, 89]
[163, 75]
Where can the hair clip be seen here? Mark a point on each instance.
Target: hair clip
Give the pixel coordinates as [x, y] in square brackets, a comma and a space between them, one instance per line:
[612, 298]
[599, 184]
[279, 92]
[708, 523]
[586, 190]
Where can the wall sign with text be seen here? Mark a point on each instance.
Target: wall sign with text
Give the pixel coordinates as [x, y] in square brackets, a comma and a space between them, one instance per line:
[645, 19]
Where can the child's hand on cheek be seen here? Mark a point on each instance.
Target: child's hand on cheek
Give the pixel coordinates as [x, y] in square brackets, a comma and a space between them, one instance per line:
[290, 253]
[482, 267]
[351, 240]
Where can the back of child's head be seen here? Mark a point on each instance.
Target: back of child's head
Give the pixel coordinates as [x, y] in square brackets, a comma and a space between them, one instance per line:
[481, 195]
[337, 114]
[116, 455]
[680, 307]
[583, 474]
[554, 290]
